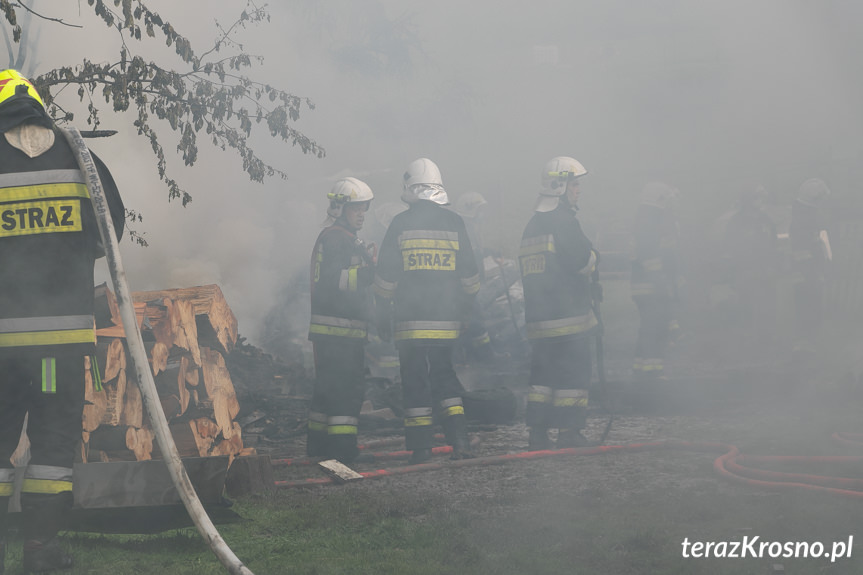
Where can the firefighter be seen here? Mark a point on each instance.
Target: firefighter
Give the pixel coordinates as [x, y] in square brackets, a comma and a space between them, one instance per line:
[425, 284]
[556, 261]
[654, 279]
[49, 241]
[811, 254]
[475, 341]
[342, 274]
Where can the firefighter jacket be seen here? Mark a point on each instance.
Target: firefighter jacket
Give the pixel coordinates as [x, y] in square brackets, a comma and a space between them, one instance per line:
[556, 260]
[341, 275]
[654, 258]
[49, 241]
[427, 272]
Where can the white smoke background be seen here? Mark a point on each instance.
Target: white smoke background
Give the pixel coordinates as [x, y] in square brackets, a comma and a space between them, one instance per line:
[712, 97]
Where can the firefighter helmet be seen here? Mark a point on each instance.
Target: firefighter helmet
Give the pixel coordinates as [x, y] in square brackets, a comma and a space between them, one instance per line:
[468, 205]
[558, 172]
[812, 192]
[658, 194]
[14, 86]
[422, 181]
[346, 191]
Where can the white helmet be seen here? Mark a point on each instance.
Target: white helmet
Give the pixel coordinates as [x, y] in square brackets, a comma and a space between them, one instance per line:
[812, 192]
[468, 205]
[658, 194]
[346, 191]
[555, 176]
[422, 181]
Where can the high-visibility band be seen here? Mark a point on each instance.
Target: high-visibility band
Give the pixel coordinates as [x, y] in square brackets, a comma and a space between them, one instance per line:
[341, 430]
[384, 288]
[43, 192]
[570, 398]
[348, 279]
[451, 402]
[44, 177]
[317, 426]
[7, 474]
[454, 410]
[653, 364]
[418, 411]
[429, 243]
[560, 327]
[47, 338]
[471, 285]
[382, 361]
[537, 245]
[7, 488]
[422, 329]
[95, 373]
[45, 486]
[342, 420]
[417, 421]
[47, 479]
[49, 375]
[539, 394]
[481, 340]
[427, 235]
[337, 326]
[591, 265]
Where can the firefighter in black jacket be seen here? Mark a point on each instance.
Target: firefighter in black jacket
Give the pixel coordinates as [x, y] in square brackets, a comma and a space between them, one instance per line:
[654, 278]
[426, 280]
[49, 241]
[342, 274]
[556, 261]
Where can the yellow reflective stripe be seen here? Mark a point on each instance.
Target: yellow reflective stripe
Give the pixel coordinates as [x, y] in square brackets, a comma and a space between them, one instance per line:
[384, 288]
[48, 217]
[47, 486]
[43, 191]
[570, 402]
[317, 426]
[417, 421]
[22, 339]
[352, 278]
[557, 328]
[471, 285]
[6, 489]
[342, 430]
[481, 340]
[337, 331]
[538, 398]
[454, 410]
[49, 375]
[429, 243]
[427, 334]
[536, 249]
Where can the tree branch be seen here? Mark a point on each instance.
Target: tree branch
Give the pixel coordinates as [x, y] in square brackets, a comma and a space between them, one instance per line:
[57, 20]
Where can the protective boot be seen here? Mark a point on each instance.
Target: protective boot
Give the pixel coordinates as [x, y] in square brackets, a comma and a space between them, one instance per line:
[342, 447]
[572, 438]
[420, 456]
[538, 439]
[42, 515]
[316, 435]
[455, 430]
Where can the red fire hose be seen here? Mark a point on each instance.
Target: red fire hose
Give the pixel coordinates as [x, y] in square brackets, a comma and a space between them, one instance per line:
[729, 465]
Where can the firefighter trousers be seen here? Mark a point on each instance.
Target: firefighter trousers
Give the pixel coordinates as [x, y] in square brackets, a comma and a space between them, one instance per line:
[337, 398]
[654, 336]
[430, 386]
[560, 373]
[50, 387]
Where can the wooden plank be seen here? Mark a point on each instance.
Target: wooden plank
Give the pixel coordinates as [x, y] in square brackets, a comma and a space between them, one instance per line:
[339, 471]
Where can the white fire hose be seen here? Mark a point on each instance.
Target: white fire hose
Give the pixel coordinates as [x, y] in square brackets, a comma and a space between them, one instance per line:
[142, 366]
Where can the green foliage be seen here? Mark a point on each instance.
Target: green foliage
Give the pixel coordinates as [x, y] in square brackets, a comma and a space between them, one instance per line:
[200, 94]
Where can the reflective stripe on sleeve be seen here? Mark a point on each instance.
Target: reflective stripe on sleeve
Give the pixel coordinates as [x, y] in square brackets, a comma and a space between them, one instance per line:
[570, 398]
[471, 285]
[384, 288]
[591, 265]
[337, 326]
[49, 375]
[539, 394]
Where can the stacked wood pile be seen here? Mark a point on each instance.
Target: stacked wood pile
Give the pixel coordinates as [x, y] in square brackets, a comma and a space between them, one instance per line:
[187, 333]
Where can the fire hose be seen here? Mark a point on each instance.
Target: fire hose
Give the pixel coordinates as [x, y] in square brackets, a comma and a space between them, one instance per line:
[142, 367]
[731, 464]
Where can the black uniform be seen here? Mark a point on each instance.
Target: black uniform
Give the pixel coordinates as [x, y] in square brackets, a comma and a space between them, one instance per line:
[341, 275]
[428, 277]
[654, 286]
[49, 241]
[809, 263]
[556, 261]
